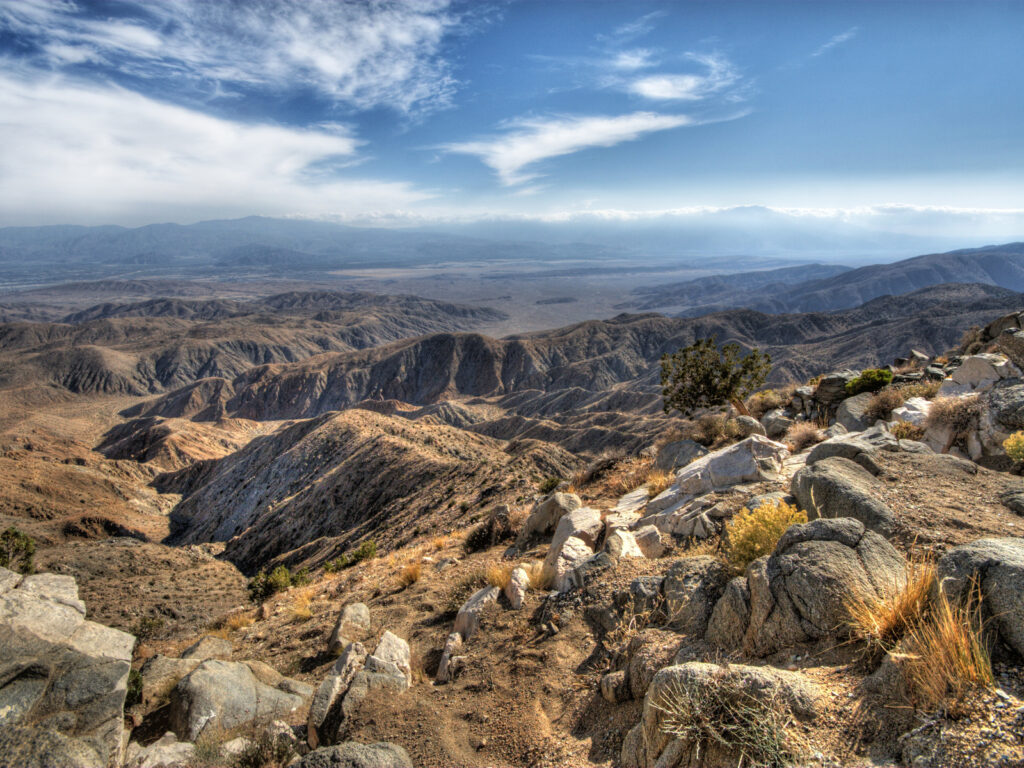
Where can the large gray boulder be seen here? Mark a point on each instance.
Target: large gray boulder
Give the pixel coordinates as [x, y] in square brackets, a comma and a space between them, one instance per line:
[208, 647]
[545, 515]
[801, 591]
[692, 587]
[467, 622]
[324, 707]
[996, 566]
[63, 679]
[678, 454]
[225, 694]
[852, 412]
[748, 426]
[831, 388]
[647, 745]
[776, 424]
[351, 754]
[838, 488]
[353, 625]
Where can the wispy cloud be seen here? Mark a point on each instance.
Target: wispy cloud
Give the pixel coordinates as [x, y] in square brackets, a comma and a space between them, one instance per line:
[363, 54]
[528, 141]
[839, 39]
[633, 59]
[636, 28]
[719, 74]
[94, 153]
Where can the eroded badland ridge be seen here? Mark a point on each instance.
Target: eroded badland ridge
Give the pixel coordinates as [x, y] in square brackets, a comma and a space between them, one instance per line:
[272, 523]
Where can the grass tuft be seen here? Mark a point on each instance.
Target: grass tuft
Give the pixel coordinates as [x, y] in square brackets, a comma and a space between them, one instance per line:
[410, 574]
[540, 576]
[499, 575]
[802, 435]
[881, 622]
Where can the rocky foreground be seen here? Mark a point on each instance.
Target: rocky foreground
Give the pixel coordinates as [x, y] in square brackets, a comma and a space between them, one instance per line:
[609, 622]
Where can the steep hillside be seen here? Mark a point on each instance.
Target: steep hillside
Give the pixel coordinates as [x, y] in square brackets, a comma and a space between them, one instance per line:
[331, 480]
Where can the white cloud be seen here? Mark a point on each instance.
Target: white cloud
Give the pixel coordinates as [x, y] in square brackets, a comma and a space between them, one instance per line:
[839, 39]
[95, 153]
[719, 75]
[365, 54]
[633, 59]
[529, 141]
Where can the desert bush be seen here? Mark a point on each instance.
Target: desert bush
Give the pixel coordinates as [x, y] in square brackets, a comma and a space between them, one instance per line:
[766, 400]
[134, 695]
[628, 474]
[410, 574]
[870, 380]
[540, 576]
[147, 627]
[728, 717]
[946, 654]
[597, 468]
[237, 621]
[753, 534]
[883, 403]
[302, 607]
[548, 484]
[17, 551]
[263, 748]
[959, 414]
[926, 389]
[802, 435]
[704, 376]
[658, 480]
[494, 530]
[713, 428]
[263, 584]
[881, 622]
[499, 575]
[207, 752]
[904, 430]
[1014, 446]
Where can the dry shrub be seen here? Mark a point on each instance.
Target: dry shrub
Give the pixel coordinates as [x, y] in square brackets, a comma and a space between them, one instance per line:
[760, 403]
[495, 529]
[238, 621]
[1014, 446]
[302, 606]
[946, 653]
[222, 632]
[438, 543]
[959, 414]
[464, 586]
[628, 474]
[499, 575]
[658, 480]
[881, 622]
[540, 576]
[410, 574]
[713, 429]
[630, 624]
[753, 534]
[882, 404]
[926, 389]
[593, 471]
[802, 435]
[726, 716]
[904, 430]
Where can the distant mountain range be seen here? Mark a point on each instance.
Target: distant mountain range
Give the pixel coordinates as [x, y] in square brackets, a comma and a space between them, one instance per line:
[824, 288]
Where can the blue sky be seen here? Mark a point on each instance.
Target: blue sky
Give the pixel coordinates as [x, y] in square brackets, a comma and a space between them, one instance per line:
[908, 114]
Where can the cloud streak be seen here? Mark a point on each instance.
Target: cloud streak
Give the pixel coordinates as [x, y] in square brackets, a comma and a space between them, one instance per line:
[362, 54]
[836, 40]
[529, 141]
[718, 76]
[98, 153]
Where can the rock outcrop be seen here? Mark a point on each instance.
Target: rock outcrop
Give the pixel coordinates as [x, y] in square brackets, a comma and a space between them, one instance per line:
[838, 488]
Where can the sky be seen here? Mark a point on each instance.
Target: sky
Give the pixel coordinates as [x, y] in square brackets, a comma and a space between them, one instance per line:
[904, 116]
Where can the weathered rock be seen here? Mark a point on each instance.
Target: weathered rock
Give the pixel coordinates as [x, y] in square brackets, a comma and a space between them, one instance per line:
[647, 745]
[648, 539]
[63, 679]
[845, 446]
[353, 624]
[622, 544]
[208, 647]
[614, 687]
[852, 412]
[776, 424]
[644, 594]
[730, 616]
[467, 622]
[1011, 343]
[620, 521]
[376, 675]
[678, 454]
[351, 754]
[997, 567]
[978, 373]
[224, 694]
[800, 592]
[839, 488]
[649, 651]
[324, 706]
[914, 411]
[748, 425]
[1013, 499]
[395, 650]
[632, 502]
[165, 752]
[518, 584]
[584, 524]
[158, 677]
[831, 388]
[546, 514]
[691, 588]
[572, 554]
[452, 648]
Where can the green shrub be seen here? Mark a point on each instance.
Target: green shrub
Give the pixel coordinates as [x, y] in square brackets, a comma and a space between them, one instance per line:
[264, 584]
[147, 627]
[549, 484]
[1014, 446]
[17, 550]
[704, 376]
[134, 695]
[367, 550]
[870, 380]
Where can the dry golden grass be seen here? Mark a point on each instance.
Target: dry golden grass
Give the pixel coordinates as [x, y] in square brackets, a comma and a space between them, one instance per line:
[222, 632]
[410, 574]
[926, 389]
[904, 430]
[760, 403]
[946, 656]
[517, 516]
[658, 480]
[802, 435]
[438, 543]
[753, 534]
[238, 621]
[959, 414]
[629, 474]
[301, 606]
[541, 577]
[882, 622]
[499, 575]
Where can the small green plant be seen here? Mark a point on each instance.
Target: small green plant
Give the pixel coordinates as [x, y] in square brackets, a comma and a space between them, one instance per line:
[147, 627]
[264, 584]
[870, 380]
[367, 550]
[753, 534]
[134, 695]
[17, 551]
[1014, 446]
[548, 484]
[702, 376]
